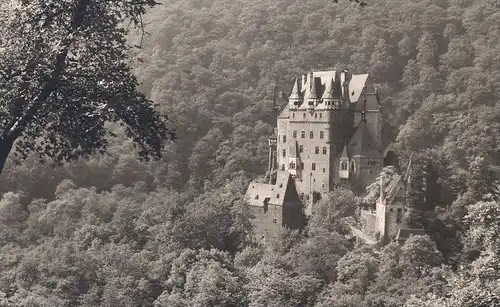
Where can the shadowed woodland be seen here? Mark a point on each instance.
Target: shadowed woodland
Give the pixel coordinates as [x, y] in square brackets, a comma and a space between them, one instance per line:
[112, 230]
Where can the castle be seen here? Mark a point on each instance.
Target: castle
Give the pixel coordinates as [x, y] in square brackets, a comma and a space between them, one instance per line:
[328, 134]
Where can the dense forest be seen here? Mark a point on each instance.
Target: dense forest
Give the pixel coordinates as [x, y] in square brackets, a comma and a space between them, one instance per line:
[115, 231]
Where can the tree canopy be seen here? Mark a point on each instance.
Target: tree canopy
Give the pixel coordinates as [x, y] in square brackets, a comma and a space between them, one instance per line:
[65, 74]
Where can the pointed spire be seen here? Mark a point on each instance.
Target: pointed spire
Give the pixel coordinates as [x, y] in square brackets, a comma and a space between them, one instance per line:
[344, 153]
[328, 94]
[295, 95]
[312, 93]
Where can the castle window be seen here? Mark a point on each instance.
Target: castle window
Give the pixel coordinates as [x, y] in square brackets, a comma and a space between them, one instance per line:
[316, 150]
[321, 134]
[352, 166]
[301, 165]
[304, 115]
[277, 196]
[343, 166]
[323, 185]
[281, 185]
[292, 165]
[315, 115]
[301, 195]
[313, 166]
[311, 134]
[284, 152]
[320, 115]
[324, 150]
[293, 114]
[314, 180]
[295, 134]
[256, 196]
[284, 139]
[282, 167]
[303, 134]
[301, 148]
[275, 221]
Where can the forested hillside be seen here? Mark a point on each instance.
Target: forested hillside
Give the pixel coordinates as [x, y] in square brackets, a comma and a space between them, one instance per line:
[113, 231]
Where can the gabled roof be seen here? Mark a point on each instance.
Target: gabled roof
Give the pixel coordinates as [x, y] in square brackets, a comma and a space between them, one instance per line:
[258, 192]
[362, 143]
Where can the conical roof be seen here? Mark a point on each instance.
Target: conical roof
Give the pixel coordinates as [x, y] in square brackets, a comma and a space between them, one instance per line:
[295, 95]
[344, 153]
[362, 143]
[312, 93]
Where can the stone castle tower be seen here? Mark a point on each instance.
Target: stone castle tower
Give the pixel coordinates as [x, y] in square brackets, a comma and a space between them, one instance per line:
[328, 134]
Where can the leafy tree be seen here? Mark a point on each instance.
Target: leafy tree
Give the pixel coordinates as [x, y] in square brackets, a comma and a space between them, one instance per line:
[66, 76]
[335, 205]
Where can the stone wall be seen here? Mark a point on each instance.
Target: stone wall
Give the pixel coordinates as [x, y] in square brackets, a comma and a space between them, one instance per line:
[368, 223]
[267, 222]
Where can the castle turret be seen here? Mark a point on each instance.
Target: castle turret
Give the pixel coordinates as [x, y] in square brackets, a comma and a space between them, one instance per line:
[295, 99]
[313, 96]
[344, 164]
[328, 99]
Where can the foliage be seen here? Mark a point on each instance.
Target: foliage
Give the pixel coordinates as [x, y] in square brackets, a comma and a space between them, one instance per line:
[65, 75]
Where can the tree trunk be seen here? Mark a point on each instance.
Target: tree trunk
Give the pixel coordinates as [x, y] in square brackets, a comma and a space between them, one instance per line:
[5, 148]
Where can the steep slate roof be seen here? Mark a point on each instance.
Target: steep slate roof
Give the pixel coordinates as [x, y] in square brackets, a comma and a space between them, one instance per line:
[263, 191]
[272, 194]
[295, 94]
[356, 86]
[321, 80]
[282, 184]
[362, 143]
[284, 112]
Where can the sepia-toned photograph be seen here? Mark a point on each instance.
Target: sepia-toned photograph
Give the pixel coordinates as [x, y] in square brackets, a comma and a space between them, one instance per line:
[262, 153]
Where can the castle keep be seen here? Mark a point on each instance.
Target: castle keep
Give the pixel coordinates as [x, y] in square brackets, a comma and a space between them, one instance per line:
[328, 134]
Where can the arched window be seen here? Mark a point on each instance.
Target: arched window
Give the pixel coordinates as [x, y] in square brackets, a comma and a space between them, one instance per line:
[343, 166]
[353, 168]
